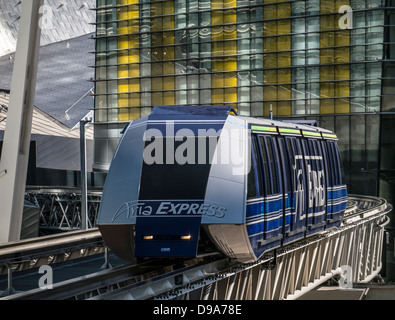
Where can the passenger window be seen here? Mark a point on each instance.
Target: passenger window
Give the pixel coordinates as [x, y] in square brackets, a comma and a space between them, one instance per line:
[272, 164]
[254, 174]
[286, 165]
[265, 167]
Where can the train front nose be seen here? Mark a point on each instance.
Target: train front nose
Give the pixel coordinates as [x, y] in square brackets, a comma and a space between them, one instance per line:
[167, 236]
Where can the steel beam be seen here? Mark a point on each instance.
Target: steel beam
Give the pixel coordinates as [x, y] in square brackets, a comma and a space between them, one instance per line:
[16, 145]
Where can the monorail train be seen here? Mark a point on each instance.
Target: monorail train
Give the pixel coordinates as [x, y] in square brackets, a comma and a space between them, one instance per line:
[250, 185]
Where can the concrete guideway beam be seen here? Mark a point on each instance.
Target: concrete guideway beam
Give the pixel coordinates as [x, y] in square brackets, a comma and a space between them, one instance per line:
[15, 153]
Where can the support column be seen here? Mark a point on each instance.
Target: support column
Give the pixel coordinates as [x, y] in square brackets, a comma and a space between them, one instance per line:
[16, 145]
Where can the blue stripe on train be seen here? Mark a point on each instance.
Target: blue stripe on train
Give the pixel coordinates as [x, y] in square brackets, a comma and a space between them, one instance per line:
[261, 227]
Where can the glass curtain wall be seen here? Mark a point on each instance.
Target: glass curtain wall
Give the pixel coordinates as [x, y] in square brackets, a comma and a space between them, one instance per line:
[258, 55]
[290, 57]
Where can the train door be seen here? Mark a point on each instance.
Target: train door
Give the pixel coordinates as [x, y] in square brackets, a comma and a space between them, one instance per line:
[337, 193]
[297, 224]
[316, 189]
[328, 162]
[272, 189]
[286, 184]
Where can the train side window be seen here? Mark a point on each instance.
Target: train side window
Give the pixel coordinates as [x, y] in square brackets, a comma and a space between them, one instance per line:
[291, 159]
[329, 161]
[334, 164]
[272, 164]
[336, 157]
[286, 165]
[254, 176]
[265, 167]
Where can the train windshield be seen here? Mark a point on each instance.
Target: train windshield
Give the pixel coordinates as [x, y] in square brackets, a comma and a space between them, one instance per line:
[175, 168]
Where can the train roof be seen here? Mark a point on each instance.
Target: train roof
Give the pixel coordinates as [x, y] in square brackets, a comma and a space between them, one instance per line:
[256, 124]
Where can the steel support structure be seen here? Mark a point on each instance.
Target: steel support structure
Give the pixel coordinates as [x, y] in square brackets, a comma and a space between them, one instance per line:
[352, 254]
[16, 145]
[62, 208]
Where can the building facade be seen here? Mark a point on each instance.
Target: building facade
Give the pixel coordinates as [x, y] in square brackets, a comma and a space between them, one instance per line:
[325, 60]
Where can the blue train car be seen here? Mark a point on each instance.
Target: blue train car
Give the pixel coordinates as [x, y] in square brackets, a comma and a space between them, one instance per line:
[250, 184]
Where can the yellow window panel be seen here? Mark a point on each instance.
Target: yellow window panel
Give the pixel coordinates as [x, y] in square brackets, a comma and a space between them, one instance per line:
[123, 57]
[230, 48]
[342, 72]
[327, 90]
[270, 60]
[284, 92]
[284, 26]
[270, 93]
[123, 13]
[230, 32]
[217, 18]
[327, 73]
[284, 76]
[134, 85]
[342, 106]
[339, 3]
[342, 89]
[169, 98]
[123, 114]
[284, 43]
[123, 85]
[217, 34]
[123, 101]
[229, 3]
[342, 55]
[283, 10]
[217, 64]
[134, 114]
[230, 64]
[269, 76]
[217, 95]
[284, 108]
[217, 80]
[342, 38]
[217, 48]
[168, 53]
[217, 4]
[157, 84]
[270, 44]
[230, 80]
[327, 6]
[134, 100]
[168, 23]
[168, 83]
[157, 68]
[123, 42]
[270, 28]
[230, 15]
[123, 71]
[157, 98]
[327, 106]
[168, 68]
[230, 95]
[327, 39]
[270, 11]
[284, 59]
[134, 70]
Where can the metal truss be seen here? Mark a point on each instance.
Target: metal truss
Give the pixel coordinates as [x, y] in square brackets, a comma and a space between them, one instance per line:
[353, 254]
[61, 208]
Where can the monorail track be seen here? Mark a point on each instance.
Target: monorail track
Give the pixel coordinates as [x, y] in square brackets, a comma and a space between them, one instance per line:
[285, 273]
